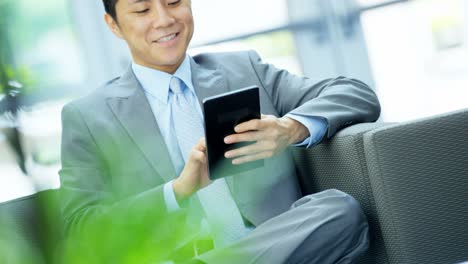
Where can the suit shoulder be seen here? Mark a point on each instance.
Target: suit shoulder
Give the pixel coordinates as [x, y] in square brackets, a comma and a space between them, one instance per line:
[230, 61]
[222, 57]
[95, 100]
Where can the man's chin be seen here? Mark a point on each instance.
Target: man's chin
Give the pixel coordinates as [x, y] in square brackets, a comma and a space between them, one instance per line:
[169, 65]
[172, 61]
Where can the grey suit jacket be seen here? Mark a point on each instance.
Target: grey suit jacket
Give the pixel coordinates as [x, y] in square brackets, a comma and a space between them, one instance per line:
[114, 158]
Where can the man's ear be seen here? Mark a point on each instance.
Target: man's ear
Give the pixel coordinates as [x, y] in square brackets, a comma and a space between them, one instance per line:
[113, 26]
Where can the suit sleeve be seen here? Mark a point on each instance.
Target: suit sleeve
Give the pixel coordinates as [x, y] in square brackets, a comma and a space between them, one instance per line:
[85, 184]
[340, 101]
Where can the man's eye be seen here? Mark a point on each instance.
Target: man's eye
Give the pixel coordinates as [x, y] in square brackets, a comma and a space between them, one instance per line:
[142, 11]
[174, 2]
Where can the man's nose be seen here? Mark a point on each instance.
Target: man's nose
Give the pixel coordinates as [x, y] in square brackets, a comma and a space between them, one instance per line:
[163, 18]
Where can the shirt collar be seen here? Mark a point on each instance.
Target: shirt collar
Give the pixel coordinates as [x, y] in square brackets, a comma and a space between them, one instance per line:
[156, 82]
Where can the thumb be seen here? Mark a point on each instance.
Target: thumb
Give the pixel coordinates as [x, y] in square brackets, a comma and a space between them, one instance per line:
[201, 145]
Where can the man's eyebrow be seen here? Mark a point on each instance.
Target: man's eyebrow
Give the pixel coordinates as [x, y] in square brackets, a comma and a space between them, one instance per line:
[136, 1]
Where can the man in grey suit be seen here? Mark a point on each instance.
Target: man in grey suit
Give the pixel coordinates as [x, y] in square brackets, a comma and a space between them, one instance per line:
[122, 150]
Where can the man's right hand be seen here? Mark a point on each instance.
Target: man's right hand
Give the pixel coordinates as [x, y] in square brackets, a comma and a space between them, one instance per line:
[194, 176]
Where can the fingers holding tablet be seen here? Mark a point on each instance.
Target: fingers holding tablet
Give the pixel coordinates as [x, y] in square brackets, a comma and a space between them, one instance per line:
[271, 136]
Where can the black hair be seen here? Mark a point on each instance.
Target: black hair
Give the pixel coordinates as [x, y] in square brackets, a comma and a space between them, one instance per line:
[109, 6]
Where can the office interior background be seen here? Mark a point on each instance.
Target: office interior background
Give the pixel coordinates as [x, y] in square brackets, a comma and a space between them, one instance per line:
[414, 53]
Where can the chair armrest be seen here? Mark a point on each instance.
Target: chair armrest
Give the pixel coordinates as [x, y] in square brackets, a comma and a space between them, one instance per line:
[419, 179]
[340, 163]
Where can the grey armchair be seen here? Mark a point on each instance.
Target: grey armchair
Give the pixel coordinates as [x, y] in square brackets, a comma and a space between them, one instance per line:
[411, 179]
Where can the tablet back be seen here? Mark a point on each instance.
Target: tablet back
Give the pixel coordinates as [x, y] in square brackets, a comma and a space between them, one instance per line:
[222, 113]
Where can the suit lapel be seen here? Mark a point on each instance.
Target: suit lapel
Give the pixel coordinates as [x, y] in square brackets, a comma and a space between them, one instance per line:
[131, 108]
[209, 82]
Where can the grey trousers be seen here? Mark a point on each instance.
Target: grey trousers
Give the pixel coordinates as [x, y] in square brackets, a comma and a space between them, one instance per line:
[326, 227]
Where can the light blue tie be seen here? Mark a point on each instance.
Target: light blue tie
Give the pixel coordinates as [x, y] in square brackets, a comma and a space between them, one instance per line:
[222, 214]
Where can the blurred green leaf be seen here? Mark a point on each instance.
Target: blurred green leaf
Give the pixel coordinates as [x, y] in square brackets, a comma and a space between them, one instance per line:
[10, 73]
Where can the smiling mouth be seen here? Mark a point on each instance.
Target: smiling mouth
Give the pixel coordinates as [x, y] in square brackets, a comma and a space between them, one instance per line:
[167, 38]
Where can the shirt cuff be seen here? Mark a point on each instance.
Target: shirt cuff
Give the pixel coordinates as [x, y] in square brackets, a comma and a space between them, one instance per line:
[169, 198]
[317, 128]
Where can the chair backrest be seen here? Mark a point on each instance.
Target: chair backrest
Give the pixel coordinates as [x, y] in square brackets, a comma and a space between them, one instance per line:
[419, 178]
[411, 180]
[32, 221]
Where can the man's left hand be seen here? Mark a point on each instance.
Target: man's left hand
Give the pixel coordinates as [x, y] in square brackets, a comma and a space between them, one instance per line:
[270, 134]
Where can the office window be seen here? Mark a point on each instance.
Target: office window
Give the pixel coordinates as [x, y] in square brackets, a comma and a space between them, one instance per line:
[224, 19]
[215, 20]
[419, 56]
[277, 48]
[43, 44]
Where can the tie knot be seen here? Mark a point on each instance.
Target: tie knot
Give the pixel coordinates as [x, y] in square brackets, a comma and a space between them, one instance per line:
[176, 86]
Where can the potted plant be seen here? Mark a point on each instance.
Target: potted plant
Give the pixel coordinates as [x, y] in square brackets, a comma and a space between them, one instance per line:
[12, 81]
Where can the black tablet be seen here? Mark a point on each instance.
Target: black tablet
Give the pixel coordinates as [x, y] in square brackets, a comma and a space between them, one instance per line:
[222, 113]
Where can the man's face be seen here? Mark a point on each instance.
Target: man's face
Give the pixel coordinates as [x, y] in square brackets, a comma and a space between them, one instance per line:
[157, 32]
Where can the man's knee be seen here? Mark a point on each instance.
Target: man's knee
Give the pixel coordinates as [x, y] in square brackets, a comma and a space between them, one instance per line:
[341, 209]
[351, 222]
[339, 223]
[348, 208]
